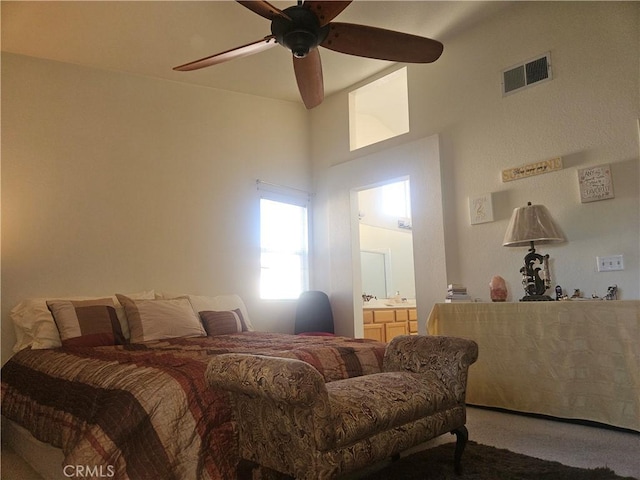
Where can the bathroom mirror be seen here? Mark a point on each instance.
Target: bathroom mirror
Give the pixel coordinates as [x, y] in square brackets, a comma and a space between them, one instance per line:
[386, 241]
[375, 273]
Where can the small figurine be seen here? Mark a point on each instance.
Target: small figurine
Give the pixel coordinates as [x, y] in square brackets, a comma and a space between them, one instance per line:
[612, 293]
[558, 292]
[576, 293]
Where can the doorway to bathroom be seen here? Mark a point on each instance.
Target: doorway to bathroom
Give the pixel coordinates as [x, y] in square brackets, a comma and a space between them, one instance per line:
[386, 242]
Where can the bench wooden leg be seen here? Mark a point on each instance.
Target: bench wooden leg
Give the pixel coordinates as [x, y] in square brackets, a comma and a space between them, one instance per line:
[462, 435]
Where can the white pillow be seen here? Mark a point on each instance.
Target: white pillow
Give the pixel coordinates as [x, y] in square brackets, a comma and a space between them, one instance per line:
[219, 303]
[35, 327]
[158, 319]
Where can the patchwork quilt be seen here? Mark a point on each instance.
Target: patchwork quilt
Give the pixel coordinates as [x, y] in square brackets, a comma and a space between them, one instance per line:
[144, 411]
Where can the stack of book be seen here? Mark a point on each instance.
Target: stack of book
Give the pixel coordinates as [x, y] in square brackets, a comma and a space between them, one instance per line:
[457, 293]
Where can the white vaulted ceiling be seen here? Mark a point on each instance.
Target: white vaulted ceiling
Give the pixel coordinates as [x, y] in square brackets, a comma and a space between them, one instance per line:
[149, 38]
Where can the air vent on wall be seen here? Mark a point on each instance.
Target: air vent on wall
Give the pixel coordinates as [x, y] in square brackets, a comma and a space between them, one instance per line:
[526, 74]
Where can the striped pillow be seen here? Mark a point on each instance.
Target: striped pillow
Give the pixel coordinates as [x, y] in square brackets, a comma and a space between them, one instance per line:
[157, 319]
[87, 323]
[222, 323]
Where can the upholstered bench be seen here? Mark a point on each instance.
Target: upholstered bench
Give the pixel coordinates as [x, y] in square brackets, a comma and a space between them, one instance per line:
[291, 421]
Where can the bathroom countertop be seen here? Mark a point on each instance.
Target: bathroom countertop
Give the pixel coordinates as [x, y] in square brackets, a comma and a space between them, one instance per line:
[381, 304]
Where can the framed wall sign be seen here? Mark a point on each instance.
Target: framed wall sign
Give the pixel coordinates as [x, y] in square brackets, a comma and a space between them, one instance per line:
[531, 169]
[595, 183]
[481, 209]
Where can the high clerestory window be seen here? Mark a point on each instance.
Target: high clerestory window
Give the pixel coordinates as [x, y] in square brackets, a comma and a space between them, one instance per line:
[379, 110]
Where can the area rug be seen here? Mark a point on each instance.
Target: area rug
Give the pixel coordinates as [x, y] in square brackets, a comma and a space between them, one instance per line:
[481, 462]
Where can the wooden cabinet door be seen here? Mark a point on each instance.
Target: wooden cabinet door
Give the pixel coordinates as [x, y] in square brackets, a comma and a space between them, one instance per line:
[383, 316]
[413, 321]
[375, 331]
[393, 329]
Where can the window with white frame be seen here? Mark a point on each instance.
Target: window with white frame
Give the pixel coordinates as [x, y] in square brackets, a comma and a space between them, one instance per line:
[283, 248]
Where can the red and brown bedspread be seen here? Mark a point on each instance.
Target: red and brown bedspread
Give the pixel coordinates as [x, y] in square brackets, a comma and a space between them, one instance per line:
[143, 411]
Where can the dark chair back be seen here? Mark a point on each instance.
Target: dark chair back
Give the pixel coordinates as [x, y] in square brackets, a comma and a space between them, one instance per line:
[313, 313]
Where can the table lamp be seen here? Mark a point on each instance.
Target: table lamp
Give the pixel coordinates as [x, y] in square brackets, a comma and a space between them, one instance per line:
[530, 224]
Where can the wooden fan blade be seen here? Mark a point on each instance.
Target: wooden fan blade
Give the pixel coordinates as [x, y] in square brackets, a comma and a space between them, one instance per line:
[324, 10]
[373, 42]
[309, 77]
[264, 9]
[225, 56]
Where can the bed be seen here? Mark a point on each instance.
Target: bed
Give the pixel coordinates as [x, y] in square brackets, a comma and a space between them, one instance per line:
[136, 405]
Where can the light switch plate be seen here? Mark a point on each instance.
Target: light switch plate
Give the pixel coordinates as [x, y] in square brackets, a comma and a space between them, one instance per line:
[610, 263]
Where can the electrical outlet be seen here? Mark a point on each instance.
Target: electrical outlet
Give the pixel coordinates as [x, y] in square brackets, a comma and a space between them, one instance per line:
[610, 263]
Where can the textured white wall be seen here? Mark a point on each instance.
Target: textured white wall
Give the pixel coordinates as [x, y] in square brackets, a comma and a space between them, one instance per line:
[120, 183]
[587, 114]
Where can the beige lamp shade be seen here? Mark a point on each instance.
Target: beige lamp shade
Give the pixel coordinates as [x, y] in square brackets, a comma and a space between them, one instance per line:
[532, 223]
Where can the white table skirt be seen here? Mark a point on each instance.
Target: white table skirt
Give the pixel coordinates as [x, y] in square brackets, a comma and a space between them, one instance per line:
[568, 359]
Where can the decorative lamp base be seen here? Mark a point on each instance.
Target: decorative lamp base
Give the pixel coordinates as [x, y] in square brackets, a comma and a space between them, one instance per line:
[536, 298]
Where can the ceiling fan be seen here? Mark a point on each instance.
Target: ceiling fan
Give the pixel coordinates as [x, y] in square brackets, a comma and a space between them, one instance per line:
[307, 25]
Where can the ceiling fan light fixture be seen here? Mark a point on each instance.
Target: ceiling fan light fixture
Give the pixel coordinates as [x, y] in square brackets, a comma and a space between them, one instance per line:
[300, 33]
[300, 42]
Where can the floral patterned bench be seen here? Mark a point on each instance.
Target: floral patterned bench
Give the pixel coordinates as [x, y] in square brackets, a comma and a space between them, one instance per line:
[291, 421]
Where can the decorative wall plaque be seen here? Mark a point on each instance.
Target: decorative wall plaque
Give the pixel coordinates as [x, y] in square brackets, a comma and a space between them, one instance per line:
[531, 169]
[595, 183]
[481, 209]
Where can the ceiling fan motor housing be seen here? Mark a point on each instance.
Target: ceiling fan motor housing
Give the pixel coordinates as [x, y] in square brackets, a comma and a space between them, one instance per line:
[300, 34]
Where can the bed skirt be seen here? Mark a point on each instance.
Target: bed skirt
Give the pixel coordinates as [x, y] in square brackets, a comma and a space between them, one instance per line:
[45, 459]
